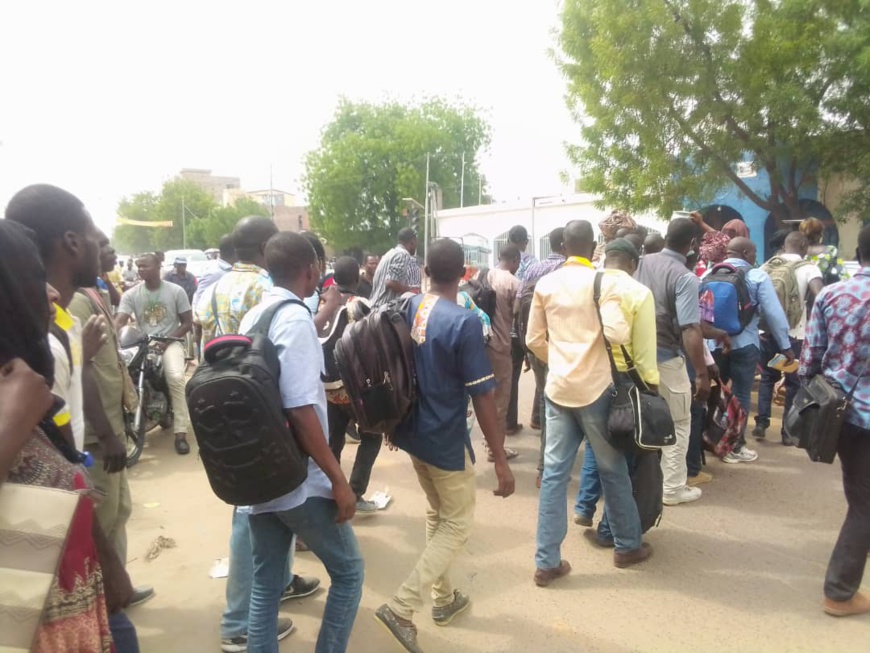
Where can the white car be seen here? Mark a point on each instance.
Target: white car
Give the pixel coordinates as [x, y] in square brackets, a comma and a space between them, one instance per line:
[196, 260]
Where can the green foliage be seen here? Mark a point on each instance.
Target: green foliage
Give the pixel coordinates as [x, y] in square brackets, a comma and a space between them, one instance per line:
[371, 156]
[671, 93]
[205, 221]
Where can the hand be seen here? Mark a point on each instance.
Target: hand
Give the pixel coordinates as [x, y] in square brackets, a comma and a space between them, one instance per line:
[527, 364]
[114, 454]
[159, 347]
[725, 341]
[25, 398]
[345, 499]
[505, 480]
[118, 588]
[702, 388]
[789, 356]
[713, 371]
[331, 297]
[94, 336]
[696, 217]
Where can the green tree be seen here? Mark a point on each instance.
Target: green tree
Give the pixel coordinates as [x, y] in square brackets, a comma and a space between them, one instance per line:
[130, 239]
[206, 233]
[671, 94]
[181, 196]
[371, 156]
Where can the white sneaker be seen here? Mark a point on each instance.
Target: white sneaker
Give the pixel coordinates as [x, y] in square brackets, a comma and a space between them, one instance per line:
[745, 455]
[685, 494]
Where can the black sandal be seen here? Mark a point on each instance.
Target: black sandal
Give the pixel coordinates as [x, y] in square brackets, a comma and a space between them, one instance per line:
[181, 446]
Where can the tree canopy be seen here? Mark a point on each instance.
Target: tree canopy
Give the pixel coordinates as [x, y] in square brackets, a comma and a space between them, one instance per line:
[371, 156]
[205, 220]
[672, 94]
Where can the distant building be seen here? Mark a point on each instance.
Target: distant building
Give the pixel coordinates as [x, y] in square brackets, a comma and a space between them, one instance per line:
[292, 218]
[213, 185]
[268, 198]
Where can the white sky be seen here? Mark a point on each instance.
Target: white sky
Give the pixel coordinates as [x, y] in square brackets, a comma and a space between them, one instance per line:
[106, 98]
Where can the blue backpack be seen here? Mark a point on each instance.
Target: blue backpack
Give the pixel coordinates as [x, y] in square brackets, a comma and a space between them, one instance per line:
[732, 303]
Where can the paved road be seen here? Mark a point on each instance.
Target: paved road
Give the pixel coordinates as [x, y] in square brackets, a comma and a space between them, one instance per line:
[740, 570]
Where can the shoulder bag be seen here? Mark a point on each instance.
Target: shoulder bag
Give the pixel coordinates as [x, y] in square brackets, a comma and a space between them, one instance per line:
[639, 417]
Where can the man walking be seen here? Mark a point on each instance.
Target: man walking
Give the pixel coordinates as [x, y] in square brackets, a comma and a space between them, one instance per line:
[519, 237]
[162, 308]
[678, 329]
[565, 332]
[740, 363]
[809, 284]
[181, 277]
[319, 510]
[837, 345]
[397, 272]
[450, 363]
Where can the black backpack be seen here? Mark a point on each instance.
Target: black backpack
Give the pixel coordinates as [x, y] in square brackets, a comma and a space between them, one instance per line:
[646, 486]
[375, 358]
[358, 310]
[246, 444]
[481, 293]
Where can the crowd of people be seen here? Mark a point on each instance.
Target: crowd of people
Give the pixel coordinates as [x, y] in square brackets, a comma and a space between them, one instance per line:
[63, 390]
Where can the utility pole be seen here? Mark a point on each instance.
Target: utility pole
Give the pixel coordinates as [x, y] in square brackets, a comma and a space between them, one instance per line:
[271, 195]
[426, 213]
[183, 225]
[462, 184]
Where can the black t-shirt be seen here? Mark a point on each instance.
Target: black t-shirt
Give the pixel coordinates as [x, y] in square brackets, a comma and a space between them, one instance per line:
[365, 288]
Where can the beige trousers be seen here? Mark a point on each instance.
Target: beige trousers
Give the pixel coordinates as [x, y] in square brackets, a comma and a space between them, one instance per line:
[502, 368]
[174, 366]
[449, 518]
[675, 387]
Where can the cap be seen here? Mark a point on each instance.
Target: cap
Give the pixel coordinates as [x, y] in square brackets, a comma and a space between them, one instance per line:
[180, 261]
[622, 245]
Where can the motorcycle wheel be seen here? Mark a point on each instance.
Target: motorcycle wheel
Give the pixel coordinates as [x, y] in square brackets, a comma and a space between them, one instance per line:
[135, 439]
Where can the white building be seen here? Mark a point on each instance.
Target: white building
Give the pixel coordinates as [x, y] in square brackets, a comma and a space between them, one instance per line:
[484, 229]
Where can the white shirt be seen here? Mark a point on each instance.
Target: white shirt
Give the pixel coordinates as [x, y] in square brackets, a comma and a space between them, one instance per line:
[301, 358]
[68, 384]
[804, 274]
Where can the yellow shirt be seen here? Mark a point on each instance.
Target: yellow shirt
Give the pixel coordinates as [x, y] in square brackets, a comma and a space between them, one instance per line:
[638, 307]
[565, 333]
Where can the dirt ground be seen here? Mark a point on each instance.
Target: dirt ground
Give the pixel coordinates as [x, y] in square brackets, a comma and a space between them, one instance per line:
[739, 570]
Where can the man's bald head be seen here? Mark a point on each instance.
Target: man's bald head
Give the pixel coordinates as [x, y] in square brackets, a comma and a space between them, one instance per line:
[250, 237]
[579, 238]
[796, 243]
[742, 248]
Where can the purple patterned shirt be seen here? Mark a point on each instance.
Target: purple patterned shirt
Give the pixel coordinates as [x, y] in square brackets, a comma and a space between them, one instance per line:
[540, 268]
[837, 342]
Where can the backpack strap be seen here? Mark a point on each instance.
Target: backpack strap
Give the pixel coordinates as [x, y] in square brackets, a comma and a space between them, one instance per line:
[264, 322]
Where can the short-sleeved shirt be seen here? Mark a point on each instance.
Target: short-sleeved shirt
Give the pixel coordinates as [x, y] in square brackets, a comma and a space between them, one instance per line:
[506, 287]
[157, 312]
[804, 274]
[234, 294]
[68, 378]
[186, 281]
[396, 265]
[214, 272]
[301, 358]
[106, 370]
[451, 362]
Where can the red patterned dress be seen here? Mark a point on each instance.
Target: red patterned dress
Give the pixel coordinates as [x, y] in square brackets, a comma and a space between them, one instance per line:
[76, 619]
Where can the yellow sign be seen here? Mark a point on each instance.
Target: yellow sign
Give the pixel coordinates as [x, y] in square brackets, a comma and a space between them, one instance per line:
[145, 223]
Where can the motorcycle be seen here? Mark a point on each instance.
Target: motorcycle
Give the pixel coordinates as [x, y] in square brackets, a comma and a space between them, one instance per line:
[145, 365]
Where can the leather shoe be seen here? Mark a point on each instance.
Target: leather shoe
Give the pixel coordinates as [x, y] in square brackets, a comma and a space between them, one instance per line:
[858, 604]
[181, 446]
[623, 560]
[788, 441]
[596, 541]
[544, 577]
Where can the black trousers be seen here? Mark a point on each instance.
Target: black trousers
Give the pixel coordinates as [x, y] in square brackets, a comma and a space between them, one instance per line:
[518, 357]
[369, 445]
[846, 568]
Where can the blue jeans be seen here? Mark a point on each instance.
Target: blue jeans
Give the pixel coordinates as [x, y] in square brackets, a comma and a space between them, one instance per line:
[605, 534]
[234, 621]
[739, 367]
[566, 428]
[123, 633]
[770, 377]
[590, 485]
[335, 545]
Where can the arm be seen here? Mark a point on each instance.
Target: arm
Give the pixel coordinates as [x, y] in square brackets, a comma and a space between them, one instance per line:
[121, 320]
[332, 302]
[698, 219]
[772, 311]
[693, 345]
[398, 275]
[114, 453]
[815, 341]
[24, 400]
[616, 327]
[493, 432]
[536, 334]
[712, 333]
[814, 287]
[309, 435]
[125, 310]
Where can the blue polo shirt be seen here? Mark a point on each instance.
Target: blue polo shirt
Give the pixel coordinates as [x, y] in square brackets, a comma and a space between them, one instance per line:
[451, 361]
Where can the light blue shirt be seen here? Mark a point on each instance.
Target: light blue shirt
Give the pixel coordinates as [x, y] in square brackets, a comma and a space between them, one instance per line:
[212, 274]
[766, 303]
[292, 331]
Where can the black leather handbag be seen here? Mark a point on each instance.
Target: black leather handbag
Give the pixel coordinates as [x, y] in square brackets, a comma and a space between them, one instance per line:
[816, 417]
[639, 417]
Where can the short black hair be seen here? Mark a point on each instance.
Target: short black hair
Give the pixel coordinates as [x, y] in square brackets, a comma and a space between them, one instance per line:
[288, 254]
[681, 232]
[50, 212]
[250, 236]
[346, 271]
[557, 239]
[864, 245]
[509, 252]
[148, 256]
[796, 240]
[407, 235]
[445, 261]
[653, 243]
[579, 238]
[227, 247]
[316, 243]
[368, 256]
[636, 240]
[518, 235]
